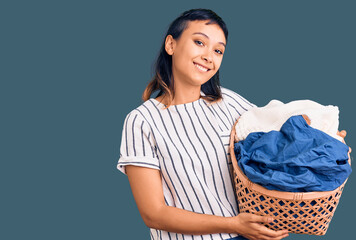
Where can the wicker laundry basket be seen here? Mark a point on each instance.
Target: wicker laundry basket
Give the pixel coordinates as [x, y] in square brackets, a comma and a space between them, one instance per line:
[298, 212]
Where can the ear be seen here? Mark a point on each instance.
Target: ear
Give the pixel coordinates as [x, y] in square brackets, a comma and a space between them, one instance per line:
[170, 44]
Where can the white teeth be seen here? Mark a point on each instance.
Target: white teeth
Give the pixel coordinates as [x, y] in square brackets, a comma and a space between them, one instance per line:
[201, 68]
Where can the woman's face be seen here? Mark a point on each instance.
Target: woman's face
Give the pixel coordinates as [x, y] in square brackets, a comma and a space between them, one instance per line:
[197, 54]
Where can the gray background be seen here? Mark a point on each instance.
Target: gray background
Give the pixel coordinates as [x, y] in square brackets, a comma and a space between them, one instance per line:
[72, 70]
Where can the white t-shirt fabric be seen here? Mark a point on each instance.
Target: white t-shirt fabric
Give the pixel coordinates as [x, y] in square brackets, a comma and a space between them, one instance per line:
[189, 144]
[276, 113]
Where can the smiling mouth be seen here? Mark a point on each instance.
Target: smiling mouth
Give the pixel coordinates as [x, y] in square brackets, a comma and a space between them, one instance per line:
[201, 68]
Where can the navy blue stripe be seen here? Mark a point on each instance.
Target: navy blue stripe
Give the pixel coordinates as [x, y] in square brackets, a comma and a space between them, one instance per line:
[185, 130]
[217, 114]
[217, 158]
[232, 118]
[196, 134]
[216, 154]
[227, 118]
[226, 158]
[209, 107]
[164, 162]
[207, 156]
[173, 164]
[153, 153]
[157, 233]
[213, 174]
[127, 146]
[235, 101]
[133, 134]
[191, 159]
[207, 153]
[235, 109]
[144, 163]
[169, 189]
[143, 143]
[239, 96]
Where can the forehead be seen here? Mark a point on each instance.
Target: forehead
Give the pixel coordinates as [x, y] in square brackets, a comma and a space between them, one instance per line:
[213, 31]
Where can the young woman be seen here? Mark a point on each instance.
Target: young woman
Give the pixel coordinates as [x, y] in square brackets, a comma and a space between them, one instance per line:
[174, 147]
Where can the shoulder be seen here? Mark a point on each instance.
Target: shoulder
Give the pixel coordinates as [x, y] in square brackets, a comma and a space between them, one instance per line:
[234, 98]
[142, 113]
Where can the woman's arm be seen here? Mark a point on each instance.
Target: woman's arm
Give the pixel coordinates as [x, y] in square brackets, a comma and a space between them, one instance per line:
[147, 190]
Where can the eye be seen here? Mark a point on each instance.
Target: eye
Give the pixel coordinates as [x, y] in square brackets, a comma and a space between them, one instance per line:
[218, 51]
[198, 42]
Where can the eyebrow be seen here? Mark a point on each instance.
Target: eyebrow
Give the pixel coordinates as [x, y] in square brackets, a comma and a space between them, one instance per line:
[208, 37]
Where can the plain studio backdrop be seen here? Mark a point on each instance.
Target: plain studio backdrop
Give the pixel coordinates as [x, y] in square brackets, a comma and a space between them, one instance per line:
[71, 70]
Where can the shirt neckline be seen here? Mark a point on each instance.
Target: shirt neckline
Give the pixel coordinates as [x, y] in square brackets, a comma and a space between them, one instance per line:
[178, 106]
[182, 105]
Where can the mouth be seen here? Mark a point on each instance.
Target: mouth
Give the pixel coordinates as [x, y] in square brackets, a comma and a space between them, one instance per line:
[201, 67]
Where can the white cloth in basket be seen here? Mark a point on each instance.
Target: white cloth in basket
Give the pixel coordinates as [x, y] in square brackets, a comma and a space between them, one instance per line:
[275, 114]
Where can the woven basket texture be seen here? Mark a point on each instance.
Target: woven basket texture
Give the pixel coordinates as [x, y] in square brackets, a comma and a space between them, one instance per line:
[298, 212]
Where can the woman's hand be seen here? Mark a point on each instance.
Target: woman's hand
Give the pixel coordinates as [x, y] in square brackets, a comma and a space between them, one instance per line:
[343, 135]
[251, 226]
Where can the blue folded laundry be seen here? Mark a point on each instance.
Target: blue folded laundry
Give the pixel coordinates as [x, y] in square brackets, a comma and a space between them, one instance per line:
[298, 158]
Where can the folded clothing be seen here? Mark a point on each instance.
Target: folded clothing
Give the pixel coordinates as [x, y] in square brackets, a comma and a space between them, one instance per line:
[298, 158]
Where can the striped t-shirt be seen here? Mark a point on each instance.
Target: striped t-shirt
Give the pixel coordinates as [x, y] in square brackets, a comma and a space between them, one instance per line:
[189, 144]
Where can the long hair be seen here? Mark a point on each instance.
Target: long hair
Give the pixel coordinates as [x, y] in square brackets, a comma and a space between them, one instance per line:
[163, 79]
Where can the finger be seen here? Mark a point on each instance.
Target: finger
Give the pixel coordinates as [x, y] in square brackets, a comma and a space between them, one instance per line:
[285, 231]
[281, 237]
[307, 119]
[342, 133]
[284, 236]
[250, 237]
[272, 233]
[261, 219]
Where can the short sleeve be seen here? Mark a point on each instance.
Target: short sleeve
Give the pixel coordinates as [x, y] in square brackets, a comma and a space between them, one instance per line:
[137, 144]
[236, 102]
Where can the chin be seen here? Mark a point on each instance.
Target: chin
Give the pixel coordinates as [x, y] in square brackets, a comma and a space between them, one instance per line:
[200, 83]
[201, 80]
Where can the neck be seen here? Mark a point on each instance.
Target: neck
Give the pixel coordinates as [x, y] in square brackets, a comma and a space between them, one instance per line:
[186, 95]
[181, 97]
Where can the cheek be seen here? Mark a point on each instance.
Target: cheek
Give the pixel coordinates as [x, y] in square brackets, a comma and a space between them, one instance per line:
[178, 62]
[183, 64]
[217, 64]
[182, 57]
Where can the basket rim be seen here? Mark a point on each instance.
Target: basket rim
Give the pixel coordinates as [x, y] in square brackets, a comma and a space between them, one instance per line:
[273, 193]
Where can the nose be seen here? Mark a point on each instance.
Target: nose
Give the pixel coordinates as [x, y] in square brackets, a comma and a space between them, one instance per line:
[207, 57]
